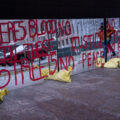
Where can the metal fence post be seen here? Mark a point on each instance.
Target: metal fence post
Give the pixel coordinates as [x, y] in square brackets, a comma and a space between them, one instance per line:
[105, 41]
[57, 49]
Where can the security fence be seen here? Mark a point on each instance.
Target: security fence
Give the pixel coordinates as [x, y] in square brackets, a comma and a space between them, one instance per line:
[54, 44]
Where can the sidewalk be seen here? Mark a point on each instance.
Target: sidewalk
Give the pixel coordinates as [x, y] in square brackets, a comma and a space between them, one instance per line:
[93, 95]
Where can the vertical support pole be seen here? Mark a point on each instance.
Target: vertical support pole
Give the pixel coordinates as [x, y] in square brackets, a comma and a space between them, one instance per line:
[57, 50]
[57, 56]
[105, 41]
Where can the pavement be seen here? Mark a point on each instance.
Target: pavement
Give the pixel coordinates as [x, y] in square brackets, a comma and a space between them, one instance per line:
[93, 95]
